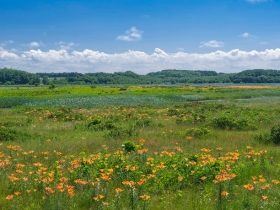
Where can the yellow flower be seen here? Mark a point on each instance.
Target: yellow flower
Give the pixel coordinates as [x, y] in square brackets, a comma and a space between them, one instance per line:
[145, 197]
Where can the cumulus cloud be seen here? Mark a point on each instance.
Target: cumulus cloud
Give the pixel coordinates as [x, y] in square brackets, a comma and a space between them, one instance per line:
[6, 43]
[35, 44]
[132, 34]
[63, 60]
[6, 55]
[65, 45]
[212, 43]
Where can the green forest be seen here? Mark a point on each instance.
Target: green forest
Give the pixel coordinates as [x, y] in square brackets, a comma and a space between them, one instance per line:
[170, 76]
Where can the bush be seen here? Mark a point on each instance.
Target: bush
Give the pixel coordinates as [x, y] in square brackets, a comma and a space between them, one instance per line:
[129, 146]
[8, 134]
[230, 123]
[275, 134]
[198, 132]
[273, 137]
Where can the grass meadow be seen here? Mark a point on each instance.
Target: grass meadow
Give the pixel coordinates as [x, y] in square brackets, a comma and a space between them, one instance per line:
[139, 147]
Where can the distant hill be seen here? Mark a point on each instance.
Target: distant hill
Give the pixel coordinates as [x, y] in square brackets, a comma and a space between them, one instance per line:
[170, 76]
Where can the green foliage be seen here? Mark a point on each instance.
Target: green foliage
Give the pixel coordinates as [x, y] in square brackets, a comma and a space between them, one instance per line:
[52, 86]
[78, 146]
[9, 134]
[230, 123]
[275, 134]
[46, 80]
[197, 132]
[17, 77]
[65, 114]
[129, 146]
[171, 76]
[272, 137]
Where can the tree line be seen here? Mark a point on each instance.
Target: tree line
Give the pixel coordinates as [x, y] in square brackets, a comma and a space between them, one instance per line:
[170, 76]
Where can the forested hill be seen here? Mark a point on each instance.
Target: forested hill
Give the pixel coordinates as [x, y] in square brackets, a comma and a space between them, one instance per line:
[172, 76]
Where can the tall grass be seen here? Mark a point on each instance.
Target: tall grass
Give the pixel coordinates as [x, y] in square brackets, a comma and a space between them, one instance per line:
[139, 151]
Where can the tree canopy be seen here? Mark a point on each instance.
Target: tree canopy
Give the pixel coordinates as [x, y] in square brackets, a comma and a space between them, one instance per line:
[170, 76]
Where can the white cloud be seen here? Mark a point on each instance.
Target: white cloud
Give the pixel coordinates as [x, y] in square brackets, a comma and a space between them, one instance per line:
[140, 62]
[65, 45]
[131, 35]
[6, 55]
[6, 42]
[35, 44]
[245, 35]
[212, 43]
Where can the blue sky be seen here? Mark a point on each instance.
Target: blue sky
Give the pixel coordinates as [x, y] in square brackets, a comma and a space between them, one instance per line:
[139, 35]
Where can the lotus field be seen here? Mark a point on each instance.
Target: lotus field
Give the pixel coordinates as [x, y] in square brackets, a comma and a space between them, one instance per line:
[139, 148]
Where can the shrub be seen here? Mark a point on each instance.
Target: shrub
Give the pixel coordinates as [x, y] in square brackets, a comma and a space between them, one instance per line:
[8, 134]
[129, 146]
[275, 134]
[272, 137]
[230, 123]
[198, 132]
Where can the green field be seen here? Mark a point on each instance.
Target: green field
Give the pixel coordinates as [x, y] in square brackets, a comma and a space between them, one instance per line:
[139, 147]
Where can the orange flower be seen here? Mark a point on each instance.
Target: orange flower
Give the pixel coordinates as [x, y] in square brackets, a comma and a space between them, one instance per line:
[265, 186]
[203, 178]
[264, 197]
[70, 190]
[189, 138]
[248, 186]
[205, 150]
[262, 179]
[180, 178]
[274, 181]
[49, 190]
[105, 177]
[119, 190]
[98, 197]
[17, 193]
[224, 193]
[9, 197]
[254, 178]
[141, 181]
[128, 183]
[142, 140]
